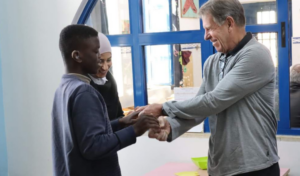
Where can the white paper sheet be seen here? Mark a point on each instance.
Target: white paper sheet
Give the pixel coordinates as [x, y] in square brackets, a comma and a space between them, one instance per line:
[184, 93]
[295, 50]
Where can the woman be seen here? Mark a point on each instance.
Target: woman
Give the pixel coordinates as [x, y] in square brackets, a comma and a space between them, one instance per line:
[104, 81]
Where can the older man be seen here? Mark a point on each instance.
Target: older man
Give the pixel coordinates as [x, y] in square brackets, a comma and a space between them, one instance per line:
[295, 96]
[237, 94]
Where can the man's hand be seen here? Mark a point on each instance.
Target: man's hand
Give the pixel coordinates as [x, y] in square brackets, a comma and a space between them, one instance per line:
[154, 110]
[165, 130]
[130, 119]
[144, 123]
[140, 108]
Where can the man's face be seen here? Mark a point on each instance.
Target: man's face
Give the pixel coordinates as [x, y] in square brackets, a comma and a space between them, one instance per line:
[89, 54]
[218, 35]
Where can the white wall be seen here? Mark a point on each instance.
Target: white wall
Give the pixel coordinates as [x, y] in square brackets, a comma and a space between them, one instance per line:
[31, 71]
[148, 154]
[289, 156]
[296, 16]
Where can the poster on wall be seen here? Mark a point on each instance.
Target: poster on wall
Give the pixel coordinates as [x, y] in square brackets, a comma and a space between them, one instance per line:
[189, 8]
[125, 27]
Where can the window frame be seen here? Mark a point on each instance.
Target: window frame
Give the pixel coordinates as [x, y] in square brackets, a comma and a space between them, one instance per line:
[137, 40]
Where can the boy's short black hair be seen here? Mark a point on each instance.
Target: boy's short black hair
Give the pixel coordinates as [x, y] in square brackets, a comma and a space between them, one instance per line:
[71, 38]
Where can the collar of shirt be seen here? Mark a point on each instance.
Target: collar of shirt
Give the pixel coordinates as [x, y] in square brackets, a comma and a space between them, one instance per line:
[81, 77]
[99, 81]
[241, 44]
[238, 47]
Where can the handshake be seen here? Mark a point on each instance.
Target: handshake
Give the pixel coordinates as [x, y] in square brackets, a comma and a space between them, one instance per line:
[148, 118]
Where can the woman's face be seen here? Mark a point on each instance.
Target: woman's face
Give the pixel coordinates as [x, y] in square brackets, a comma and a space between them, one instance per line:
[105, 64]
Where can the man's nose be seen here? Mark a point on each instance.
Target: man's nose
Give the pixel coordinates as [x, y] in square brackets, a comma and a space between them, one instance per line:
[206, 36]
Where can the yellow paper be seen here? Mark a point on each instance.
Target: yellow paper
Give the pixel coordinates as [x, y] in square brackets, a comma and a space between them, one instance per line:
[187, 173]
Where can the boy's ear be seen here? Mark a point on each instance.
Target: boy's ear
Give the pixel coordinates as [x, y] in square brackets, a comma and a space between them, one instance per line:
[75, 56]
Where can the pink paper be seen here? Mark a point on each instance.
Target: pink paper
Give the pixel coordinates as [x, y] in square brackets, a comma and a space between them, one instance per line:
[284, 171]
[170, 169]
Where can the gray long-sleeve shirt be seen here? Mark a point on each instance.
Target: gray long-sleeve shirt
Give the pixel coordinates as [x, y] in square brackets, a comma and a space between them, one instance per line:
[240, 108]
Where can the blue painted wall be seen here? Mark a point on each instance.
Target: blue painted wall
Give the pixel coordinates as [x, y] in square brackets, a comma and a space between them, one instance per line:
[3, 150]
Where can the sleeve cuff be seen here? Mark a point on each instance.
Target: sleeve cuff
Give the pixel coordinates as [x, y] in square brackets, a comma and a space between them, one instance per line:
[167, 110]
[126, 137]
[116, 126]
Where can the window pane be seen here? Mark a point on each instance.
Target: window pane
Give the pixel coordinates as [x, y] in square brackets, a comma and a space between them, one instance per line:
[158, 58]
[158, 17]
[174, 72]
[270, 41]
[122, 72]
[110, 17]
[260, 11]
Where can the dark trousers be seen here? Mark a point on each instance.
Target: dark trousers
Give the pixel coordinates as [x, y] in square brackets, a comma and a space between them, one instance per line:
[273, 170]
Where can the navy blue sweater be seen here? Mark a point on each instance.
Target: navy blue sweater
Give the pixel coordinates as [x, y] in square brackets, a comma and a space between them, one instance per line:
[85, 142]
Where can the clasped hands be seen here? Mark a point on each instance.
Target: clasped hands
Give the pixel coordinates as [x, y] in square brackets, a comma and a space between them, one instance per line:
[148, 118]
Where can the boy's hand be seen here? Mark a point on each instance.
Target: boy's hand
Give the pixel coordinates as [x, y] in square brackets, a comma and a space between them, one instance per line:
[130, 119]
[144, 123]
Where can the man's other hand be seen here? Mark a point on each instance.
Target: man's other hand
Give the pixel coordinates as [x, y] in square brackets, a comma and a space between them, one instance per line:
[154, 110]
[165, 130]
[140, 108]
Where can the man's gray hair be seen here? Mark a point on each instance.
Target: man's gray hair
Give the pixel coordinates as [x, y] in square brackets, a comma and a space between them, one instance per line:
[295, 74]
[221, 9]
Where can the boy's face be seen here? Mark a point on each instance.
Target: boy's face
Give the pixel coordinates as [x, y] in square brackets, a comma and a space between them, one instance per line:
[89, 55]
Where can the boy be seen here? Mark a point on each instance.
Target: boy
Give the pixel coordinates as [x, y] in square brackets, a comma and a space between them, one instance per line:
[85, 142]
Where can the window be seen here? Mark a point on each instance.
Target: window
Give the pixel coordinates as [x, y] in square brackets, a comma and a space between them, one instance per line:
[270, 41]
[122, 72]
[153, 39]
[260, 11]
[158, 60]
[110, 17]
[174, 72]
[159, 16]
[266, 17]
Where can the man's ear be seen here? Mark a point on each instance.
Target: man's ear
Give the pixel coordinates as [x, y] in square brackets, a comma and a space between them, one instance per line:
[75, 56]
[230, 23]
